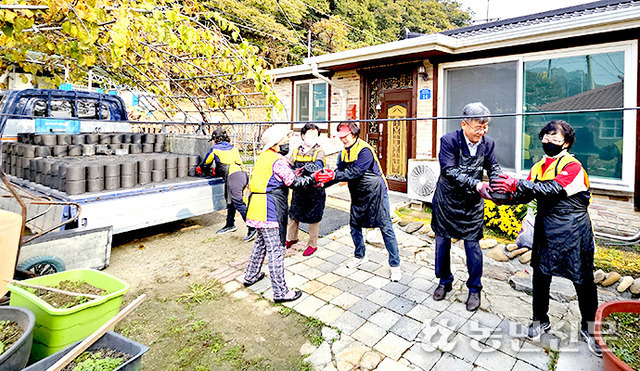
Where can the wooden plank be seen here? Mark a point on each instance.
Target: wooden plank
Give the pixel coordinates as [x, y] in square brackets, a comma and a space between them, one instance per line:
[86, 343]
[65, 292]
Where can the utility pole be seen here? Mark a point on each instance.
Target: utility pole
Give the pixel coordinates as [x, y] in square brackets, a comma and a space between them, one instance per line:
[309, 43]
[487, 10]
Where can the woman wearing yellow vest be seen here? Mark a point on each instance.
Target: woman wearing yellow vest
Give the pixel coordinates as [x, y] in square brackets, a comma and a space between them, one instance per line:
[270, 174]
[307, 204]
[359, 167]
[563, 243]
[223, 159]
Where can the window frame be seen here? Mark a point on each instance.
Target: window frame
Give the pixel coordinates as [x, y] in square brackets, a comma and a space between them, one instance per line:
[630, 86]
[311, 83]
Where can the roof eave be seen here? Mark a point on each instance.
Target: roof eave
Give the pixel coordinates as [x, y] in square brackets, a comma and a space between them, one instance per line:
[433, 42]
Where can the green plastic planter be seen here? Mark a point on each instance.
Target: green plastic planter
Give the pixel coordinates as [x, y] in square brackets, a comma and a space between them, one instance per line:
[55, 328]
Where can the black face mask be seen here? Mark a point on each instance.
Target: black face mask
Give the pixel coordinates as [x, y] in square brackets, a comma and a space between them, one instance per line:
[284, 149]
[551, 149]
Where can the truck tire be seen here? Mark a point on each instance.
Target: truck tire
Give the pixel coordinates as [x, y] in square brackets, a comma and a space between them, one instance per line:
[42, 265]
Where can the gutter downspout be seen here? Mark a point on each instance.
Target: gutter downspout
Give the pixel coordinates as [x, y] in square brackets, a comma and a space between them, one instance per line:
[343, 92]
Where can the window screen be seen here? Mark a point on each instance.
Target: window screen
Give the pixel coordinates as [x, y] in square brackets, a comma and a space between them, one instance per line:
[495, 86]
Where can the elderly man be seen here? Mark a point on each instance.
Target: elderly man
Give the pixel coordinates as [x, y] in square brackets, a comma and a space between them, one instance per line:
[458, 206]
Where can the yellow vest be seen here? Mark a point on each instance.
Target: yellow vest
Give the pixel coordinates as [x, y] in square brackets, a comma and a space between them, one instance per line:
[554, 169]
[228, 157]
[301, 157]
[262, 207]
[351, 155]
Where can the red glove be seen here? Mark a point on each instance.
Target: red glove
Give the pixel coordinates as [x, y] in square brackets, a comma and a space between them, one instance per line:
[504, 183]
[484, 190]
[324, 176]
[198, 170]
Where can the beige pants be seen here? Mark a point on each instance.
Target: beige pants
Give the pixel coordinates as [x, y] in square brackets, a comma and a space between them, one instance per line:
[314, 231]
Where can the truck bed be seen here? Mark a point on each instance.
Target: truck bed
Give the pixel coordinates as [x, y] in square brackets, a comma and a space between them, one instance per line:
[134, 208]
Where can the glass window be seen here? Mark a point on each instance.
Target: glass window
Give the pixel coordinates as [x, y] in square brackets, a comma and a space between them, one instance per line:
[319, 102]
[302, 102]
[61, 108]
[87, 109]
[39, 108]
[311, 102]
[582, 82]
[495, 85]
[104, 112]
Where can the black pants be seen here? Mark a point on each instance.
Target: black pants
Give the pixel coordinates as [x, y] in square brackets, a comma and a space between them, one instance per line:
[236, 183]
[587, 298]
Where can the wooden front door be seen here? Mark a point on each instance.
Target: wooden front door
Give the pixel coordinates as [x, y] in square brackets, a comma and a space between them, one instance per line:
[389, 95]
[396, 138]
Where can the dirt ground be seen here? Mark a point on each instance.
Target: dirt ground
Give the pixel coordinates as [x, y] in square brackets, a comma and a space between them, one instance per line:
[187, 320]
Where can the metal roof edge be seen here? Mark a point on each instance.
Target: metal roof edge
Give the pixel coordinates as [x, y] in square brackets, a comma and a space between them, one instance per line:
[593, 23]
[586, 24]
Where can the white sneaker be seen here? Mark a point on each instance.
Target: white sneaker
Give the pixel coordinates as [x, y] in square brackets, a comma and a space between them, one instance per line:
[355, 262]
[396, 274]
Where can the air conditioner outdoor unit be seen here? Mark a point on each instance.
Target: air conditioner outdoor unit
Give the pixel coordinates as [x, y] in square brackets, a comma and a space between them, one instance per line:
[422, 178]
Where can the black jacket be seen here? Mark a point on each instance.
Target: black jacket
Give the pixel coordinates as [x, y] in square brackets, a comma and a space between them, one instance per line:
[563, 243]
[367, 187]
[457, 208]
[307, 203]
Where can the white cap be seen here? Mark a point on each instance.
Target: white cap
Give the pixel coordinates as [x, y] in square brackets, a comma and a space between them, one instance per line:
[274, 135]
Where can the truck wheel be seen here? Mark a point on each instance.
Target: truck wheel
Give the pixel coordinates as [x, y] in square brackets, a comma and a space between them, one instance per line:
[43, 265]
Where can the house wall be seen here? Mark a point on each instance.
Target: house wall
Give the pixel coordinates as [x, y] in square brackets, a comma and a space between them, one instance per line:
[424, 132]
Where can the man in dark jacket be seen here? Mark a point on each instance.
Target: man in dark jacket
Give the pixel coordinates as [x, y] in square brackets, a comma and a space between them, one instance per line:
[458, 206]
[358, 166]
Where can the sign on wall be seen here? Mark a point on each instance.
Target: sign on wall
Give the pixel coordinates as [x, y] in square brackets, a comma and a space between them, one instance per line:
[425, 94]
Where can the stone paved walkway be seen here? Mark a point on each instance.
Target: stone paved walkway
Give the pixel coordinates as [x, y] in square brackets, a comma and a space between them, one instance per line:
[387, 325]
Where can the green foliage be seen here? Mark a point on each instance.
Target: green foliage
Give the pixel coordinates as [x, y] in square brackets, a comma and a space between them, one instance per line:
[623, 262]
[152, 45]
[88, 361]
[622, 336]
[199, 292]
[553, 358]
[284, 29]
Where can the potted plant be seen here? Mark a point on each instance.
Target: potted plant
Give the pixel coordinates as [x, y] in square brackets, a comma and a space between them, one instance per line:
[110, 340]
[57, 328]
[611, 361]
[17, 354]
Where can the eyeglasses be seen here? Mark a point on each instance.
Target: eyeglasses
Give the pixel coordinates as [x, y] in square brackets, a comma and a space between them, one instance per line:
[555, 138]
[480, 128]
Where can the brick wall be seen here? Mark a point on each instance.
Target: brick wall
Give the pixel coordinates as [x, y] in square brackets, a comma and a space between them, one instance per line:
[284, 91]
[614, 215]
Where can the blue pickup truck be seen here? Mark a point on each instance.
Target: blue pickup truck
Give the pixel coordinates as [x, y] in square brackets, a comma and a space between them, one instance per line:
[61, 112]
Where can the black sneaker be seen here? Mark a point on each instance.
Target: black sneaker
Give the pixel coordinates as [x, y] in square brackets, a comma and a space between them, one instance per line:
[253, 232]
[536, 329]
[227, 229]
[591, 343]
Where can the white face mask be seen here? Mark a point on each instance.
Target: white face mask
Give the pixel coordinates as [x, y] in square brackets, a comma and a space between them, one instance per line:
[311, 138]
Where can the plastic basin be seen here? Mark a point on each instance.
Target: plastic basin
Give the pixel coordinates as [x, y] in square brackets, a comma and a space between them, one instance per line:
[611, 362]
[16, 357]
[109, 340]
[57, 328]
